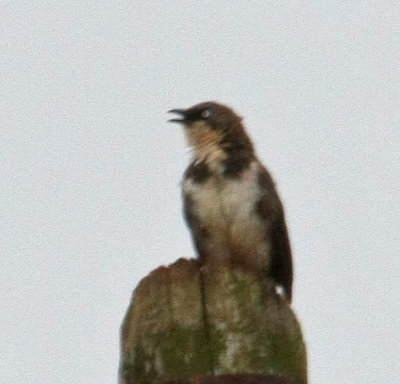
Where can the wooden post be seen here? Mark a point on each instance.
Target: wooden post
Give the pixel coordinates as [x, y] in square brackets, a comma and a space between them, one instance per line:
[212, 324]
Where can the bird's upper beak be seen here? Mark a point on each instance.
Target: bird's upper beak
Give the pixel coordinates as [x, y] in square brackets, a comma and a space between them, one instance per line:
[180, 113]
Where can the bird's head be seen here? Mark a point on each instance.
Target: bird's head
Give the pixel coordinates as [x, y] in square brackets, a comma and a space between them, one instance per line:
[211, 127]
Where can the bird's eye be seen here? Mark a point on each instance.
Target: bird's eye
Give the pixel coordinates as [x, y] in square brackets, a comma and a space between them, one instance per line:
[206, 113]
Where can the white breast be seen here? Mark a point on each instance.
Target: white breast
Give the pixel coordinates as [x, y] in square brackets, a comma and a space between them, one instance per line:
[226, 208]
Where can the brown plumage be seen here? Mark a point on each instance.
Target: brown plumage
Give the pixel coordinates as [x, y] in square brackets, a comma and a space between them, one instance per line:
[230, 202]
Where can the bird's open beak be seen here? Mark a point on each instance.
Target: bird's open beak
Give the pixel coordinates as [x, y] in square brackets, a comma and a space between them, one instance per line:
[180, 113]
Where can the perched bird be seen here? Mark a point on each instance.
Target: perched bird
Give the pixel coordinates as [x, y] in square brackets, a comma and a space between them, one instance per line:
[230, 202]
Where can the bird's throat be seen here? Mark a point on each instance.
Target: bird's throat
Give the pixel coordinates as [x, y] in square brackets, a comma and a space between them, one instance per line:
[206, 145]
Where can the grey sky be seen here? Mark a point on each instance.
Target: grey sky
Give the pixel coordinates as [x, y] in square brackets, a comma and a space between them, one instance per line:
[90, 170]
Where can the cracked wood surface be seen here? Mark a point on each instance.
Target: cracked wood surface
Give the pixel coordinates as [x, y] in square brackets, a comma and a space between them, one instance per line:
[215, 324]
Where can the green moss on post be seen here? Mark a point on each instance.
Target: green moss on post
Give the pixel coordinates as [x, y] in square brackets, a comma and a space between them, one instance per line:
[185, 322]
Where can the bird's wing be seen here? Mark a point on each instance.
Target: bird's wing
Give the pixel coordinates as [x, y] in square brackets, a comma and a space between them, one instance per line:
[197, 173]
[197, 233]
[281, 255]
[270, 209]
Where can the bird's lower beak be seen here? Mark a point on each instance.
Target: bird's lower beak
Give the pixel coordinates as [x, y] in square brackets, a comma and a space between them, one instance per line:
[181, 113]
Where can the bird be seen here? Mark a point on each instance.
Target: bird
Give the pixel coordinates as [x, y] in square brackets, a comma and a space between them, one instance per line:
[230, 201]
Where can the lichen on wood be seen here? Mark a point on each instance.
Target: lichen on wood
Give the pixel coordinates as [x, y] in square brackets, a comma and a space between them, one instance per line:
[188, 321]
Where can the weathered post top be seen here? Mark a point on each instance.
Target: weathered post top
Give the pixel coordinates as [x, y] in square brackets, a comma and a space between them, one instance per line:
[214, 324]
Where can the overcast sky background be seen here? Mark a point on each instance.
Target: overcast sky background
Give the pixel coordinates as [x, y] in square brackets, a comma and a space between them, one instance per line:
[90, 170]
